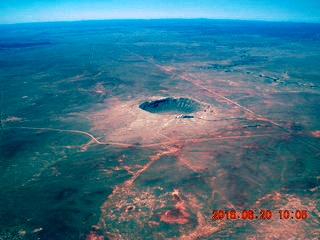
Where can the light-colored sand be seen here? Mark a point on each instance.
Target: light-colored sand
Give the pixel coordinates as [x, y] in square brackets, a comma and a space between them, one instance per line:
[124, 121]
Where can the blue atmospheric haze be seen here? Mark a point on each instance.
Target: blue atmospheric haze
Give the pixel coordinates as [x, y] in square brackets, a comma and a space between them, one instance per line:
[16, 11]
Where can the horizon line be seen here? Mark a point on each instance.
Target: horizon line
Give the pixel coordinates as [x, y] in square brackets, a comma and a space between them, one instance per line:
[173, 18]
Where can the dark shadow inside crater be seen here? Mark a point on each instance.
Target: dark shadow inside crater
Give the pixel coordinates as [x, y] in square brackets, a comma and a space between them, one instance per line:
[171, 105]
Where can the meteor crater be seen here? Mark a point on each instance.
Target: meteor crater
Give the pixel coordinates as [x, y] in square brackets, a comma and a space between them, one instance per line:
[171, 105]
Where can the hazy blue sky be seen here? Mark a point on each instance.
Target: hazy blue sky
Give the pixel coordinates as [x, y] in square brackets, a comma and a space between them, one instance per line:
[13, 11]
